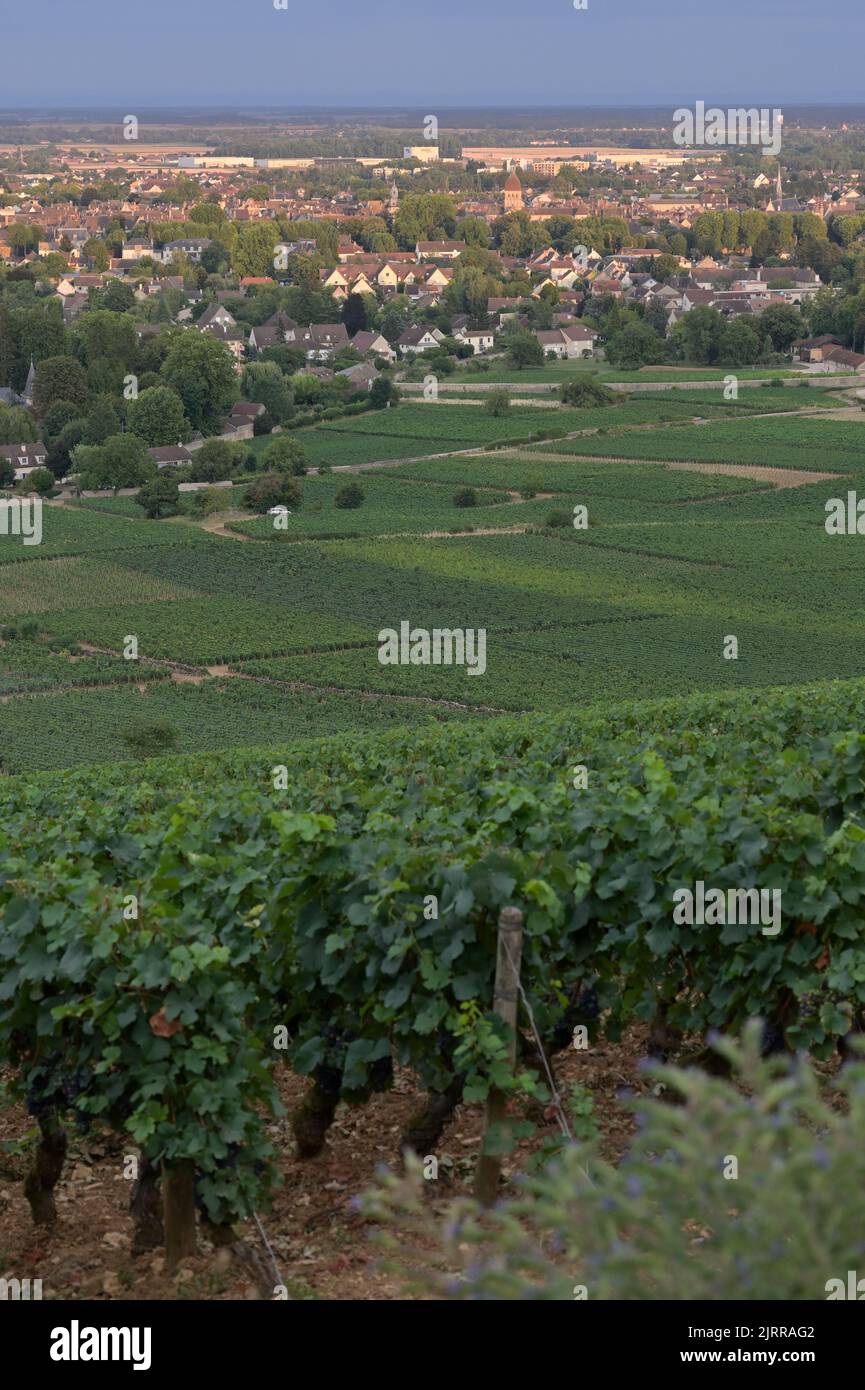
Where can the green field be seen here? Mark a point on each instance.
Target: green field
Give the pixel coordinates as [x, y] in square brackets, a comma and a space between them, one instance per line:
[582, 477]
[69, 729]
[557, 372]
[818, 445]
[69, 531]
[639, 604]
[391, 504]
[417, 428]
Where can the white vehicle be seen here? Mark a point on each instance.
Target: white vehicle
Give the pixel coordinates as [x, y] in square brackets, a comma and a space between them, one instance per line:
[279, 511]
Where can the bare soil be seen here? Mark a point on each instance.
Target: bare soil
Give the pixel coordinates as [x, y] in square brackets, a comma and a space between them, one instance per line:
[321, 1244]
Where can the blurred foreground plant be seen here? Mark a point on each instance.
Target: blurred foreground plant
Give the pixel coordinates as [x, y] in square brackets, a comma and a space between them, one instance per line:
[751, 1189]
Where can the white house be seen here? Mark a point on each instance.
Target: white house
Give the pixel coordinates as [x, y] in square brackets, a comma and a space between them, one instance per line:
[567, 342]
[419, 339]
[479, 339]
[25, 458]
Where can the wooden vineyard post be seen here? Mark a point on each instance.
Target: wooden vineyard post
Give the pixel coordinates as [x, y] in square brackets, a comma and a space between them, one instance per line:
[178, 1195]
[505, 1001]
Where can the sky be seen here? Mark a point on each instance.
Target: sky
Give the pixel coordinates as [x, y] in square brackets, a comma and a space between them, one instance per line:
[438, 53]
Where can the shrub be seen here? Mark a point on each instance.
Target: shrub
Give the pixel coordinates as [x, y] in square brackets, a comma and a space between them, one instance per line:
[285, 455]
[667, 1223]
[349, 496]
[498, 402]
[558, 518]
[582, 392]
[160, 497]
[43, 481]
[150, 739]
[210, 500]
[272, 490]
[465, 497]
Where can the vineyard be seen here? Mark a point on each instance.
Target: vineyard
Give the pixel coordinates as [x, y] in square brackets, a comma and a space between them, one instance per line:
[598, 370]
[303, 916]
[250, 869]
[838, 445]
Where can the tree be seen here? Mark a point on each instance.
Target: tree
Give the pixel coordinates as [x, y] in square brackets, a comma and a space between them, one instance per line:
[161, 497]
[157, 417]
[101, 421]
[7, 473]
[116, 297]
[636, 345]
[42, 480]
[61, 447]
[253, 253]
[524, 350]
[96, 253]
[383, 393]
[16, 425]
[285, 455]
[288, 359]
[272, 490]
[23, 238]
[39, 333]
[354, 314]
[498, 402]
[8, 346]
[425, 217]
[517, 235]
[57, 417]
[708, 232]
[474, 231]
[264, 382]
[201, 370]
[779, 326]
[739, 344]
[349, 497]
[700, 334]
[212, 463]
[101, 335]
[122, 461]
[58, 379]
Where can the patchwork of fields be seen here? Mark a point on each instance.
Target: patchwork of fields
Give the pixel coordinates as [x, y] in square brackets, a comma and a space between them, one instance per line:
[276, 639]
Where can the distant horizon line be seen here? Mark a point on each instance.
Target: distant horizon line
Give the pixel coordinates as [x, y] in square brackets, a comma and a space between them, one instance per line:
[238, 105]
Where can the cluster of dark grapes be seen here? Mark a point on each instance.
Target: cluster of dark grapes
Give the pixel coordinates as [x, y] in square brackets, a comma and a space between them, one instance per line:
[328, 1073]
[585, 1010]
[54, 1087]
[772, 1041]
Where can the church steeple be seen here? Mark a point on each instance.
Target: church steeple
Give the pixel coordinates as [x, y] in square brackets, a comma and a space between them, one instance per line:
[28, 385]
[394, 197]
[779, 189]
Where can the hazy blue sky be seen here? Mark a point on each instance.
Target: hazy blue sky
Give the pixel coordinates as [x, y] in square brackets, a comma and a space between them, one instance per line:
[62, 52]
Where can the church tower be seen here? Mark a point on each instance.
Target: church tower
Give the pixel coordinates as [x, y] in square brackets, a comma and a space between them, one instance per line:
[394, 197]
[512, 195]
